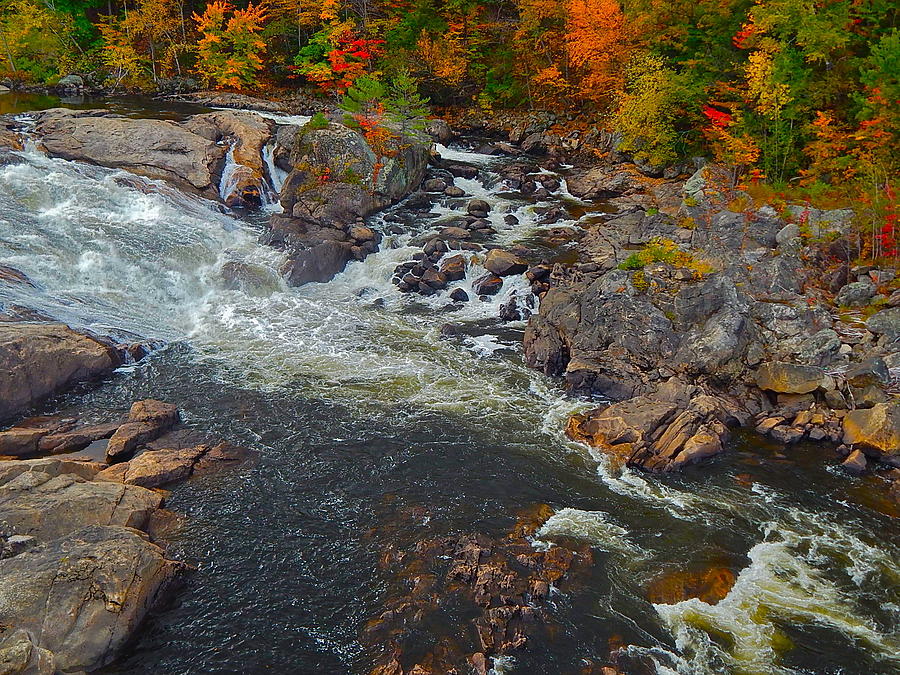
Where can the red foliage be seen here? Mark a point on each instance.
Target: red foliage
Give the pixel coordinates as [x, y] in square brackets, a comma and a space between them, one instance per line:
[719, 118]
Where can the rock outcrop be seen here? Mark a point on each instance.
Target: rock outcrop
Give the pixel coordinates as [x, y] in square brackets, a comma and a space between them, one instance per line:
[70, 604]
[39, 359]
[336, 180]
[157, 149]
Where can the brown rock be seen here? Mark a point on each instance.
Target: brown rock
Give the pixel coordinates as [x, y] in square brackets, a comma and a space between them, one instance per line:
[39, 359]
[81, 596]
[454, 268]
[77, 439]
[855, 462]
[147, 421]
[710, 585]
[789, 378]
[487, 284]
[877, 430]
[503, 263]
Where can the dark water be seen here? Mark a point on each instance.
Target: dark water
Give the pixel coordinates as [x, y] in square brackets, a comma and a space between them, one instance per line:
[373, 432]
[15, 102]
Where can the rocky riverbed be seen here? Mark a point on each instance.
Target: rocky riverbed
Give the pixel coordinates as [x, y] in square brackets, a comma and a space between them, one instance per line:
[678, 318]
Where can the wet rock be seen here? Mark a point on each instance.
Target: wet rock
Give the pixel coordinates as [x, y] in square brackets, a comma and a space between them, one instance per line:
[81, 596]
[154, 148]
[855, 462]
[487, 284]
[711, 586]
[10, 275]
[434, 185]
[318, 263]
[76, 439]
[39, 359]
[479, 207]
[157, 467]
[459, 295]
[147, 421]
[503, 263]
[789, 378]
[460, 170]
[454, 233]
[453, 191]
[876, 430]
[454, 268]
[855, 294]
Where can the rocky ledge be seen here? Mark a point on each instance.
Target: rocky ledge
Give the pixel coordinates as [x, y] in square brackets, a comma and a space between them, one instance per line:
[80, 566]
[689, 313]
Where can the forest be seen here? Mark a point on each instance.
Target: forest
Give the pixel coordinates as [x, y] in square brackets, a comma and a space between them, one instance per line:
[797, 95]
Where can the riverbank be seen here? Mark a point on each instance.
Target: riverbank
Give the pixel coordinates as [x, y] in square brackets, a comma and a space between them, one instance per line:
[366, 387]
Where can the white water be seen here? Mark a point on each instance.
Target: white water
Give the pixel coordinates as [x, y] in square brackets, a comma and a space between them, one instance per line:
[113, 251]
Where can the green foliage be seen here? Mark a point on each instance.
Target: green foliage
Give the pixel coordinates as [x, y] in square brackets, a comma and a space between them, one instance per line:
[405, 108]
[361, 99]
[317, 121]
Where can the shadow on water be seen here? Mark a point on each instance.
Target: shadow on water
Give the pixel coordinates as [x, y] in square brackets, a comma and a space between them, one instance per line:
[16, 102]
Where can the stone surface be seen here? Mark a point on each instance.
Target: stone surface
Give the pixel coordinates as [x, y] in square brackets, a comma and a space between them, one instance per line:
[876, 430]
[154, 148]
[48, 504]
[503, 263]
[155, 468]
[39, 359]
[81, 596]
[789, 378]
[856, 294]
[147, 421]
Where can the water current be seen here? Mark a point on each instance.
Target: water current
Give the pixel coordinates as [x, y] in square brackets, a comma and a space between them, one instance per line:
[361, 412]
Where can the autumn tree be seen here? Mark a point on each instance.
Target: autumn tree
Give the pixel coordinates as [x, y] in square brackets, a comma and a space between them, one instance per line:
[229, 52]
[596, 46]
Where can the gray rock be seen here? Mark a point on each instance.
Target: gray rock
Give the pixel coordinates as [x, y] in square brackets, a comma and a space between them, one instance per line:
[855, 294]
[158, 149]
[819, 349]
[788, 234]
[71, 81]
[886, 323]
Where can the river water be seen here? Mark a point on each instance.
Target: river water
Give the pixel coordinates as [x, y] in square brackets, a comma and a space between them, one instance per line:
[362, 413]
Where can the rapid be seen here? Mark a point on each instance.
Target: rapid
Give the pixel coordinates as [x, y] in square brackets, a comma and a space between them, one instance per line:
[362, 410]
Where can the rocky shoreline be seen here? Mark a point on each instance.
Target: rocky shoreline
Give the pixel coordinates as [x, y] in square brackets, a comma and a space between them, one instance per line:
[684, 311]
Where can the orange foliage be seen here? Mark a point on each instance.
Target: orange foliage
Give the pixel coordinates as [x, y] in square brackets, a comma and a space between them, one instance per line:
[597, 45]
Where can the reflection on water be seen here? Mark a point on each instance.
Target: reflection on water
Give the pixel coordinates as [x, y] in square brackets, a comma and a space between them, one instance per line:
[354, 398]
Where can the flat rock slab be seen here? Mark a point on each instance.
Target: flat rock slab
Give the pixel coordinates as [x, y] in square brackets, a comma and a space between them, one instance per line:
[46, 506]
[79, 597]
[155, 468]
[152, 148]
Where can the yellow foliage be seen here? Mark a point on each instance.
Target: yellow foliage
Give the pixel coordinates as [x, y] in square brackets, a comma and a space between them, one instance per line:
[444, 56]
[770, 96]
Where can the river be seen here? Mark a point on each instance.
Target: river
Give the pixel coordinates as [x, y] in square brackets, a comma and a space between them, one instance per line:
[363, 413]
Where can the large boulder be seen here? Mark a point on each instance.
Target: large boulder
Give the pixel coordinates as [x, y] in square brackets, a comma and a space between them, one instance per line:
[886, 323]
[158, 149]
[503, 263]
[789, 378]
[39, 359]
[336, 180]
[876, 430]
[79, 598]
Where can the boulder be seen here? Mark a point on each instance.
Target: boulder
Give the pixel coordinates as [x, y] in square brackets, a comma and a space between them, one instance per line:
[478, 206]
[79, 597]
[856, 294]
[487, 284]
[876, 430]
[789, 378]
[20, 656]
[147, 421]
[76, 439]
[39, 359]
[503, 263]
[158, 149]
[454, 268]
[45, 506]
[886, 323]
[855, 462]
